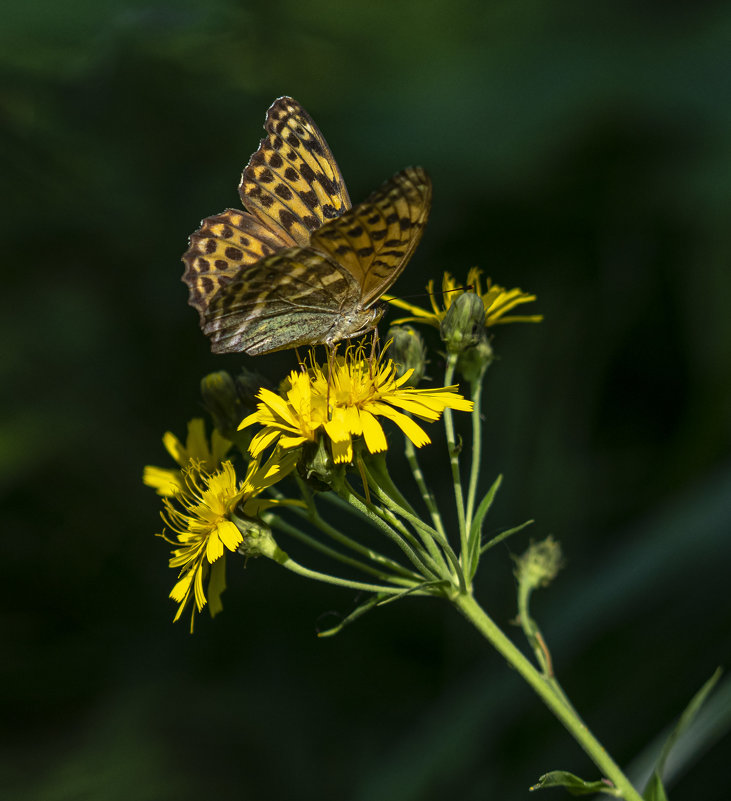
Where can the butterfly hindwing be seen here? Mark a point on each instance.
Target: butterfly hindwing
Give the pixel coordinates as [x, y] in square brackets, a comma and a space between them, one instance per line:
[294, 297]
[293, 183]
[219, 248]
[375, 239]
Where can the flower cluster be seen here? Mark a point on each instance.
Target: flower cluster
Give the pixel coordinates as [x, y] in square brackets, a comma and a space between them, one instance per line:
[345, 402]
[326, 419]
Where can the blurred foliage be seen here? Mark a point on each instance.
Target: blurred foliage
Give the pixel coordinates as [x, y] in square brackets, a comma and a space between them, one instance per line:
[582, 153]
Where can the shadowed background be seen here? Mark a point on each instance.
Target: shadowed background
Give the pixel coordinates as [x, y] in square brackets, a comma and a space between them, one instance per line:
[584, 155]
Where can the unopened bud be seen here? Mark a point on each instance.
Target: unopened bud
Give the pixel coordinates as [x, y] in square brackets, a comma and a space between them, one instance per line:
[317, 467]
[464, 322]
[257, 537]
[408, 352]
[474, 360]
[228, 400]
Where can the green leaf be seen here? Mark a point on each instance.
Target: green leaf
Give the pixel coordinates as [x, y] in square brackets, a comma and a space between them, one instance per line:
[505, 534]
[655, 790]
[482, 509]
[475, 533]
[389, 598]
[354, 615]
[686, 719]
[574, 785]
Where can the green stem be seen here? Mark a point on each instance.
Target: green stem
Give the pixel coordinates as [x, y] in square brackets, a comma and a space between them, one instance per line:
[390, 518]
[537, 642]
[467, 605]
[314, 517]
[295, 567]
[426, 494]
[476, 392]
[418, 558]
[282, 525]
[429, 536]
[454, 463]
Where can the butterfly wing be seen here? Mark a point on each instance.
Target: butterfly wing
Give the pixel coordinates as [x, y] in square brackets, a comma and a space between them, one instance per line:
[219, 248]
[293, 183]
[291, 298]
[291, 186]
[375, 240]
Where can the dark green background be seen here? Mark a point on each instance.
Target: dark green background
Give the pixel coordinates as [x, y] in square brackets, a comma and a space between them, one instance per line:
[579, 151]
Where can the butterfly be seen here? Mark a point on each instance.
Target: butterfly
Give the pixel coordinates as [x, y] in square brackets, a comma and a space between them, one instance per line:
[300, 265]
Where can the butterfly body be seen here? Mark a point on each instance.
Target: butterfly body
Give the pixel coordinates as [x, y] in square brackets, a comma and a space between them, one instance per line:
[301, 266]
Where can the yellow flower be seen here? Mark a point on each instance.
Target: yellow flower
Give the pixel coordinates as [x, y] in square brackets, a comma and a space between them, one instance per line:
[200, 518]
[167, 481]
[358, 391]
[289, 420]
[497, 300]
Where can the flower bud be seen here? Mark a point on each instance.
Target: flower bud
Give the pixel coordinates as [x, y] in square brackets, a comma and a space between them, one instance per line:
[463, 323]
[475, 359]
[222, 402]
[408, 352]
[228, 400]
[317, 467]
[248, 385]
[257, 537]
[539, 565]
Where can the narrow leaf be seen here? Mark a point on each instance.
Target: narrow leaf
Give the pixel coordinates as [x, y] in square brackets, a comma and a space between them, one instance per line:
[389, 598]
[685, 720]
[483, 508]
[655, 790]
[505, 534]
[573, 784]
[354, 615]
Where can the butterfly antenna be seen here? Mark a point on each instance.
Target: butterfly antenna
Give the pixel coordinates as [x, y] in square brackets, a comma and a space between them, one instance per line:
[468, 288]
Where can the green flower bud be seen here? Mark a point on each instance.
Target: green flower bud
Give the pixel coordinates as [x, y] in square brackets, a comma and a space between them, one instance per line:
[258, 539]
[408, 351]
[539, 565]
[248, 385]
[228, 401]
[463, 323]
[317, 467]
[222, 402]
[474, 360]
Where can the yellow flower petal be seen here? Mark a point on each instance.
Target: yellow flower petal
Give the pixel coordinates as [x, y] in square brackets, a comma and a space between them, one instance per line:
[411, 429]
[373, 435]
[167, 482]
[229, 535]
[175, 448]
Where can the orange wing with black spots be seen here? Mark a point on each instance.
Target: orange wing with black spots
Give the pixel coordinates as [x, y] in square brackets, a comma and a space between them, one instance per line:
[293, 183]
[290, 187]
[375, 240]
[328, 291]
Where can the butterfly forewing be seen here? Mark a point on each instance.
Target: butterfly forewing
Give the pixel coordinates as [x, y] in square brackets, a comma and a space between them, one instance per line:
[291, 298]
[375, 240]
[293, 183]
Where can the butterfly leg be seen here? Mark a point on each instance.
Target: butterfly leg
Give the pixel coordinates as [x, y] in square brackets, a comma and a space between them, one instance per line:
[375, 352]
[330, 357]
[303, 366]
